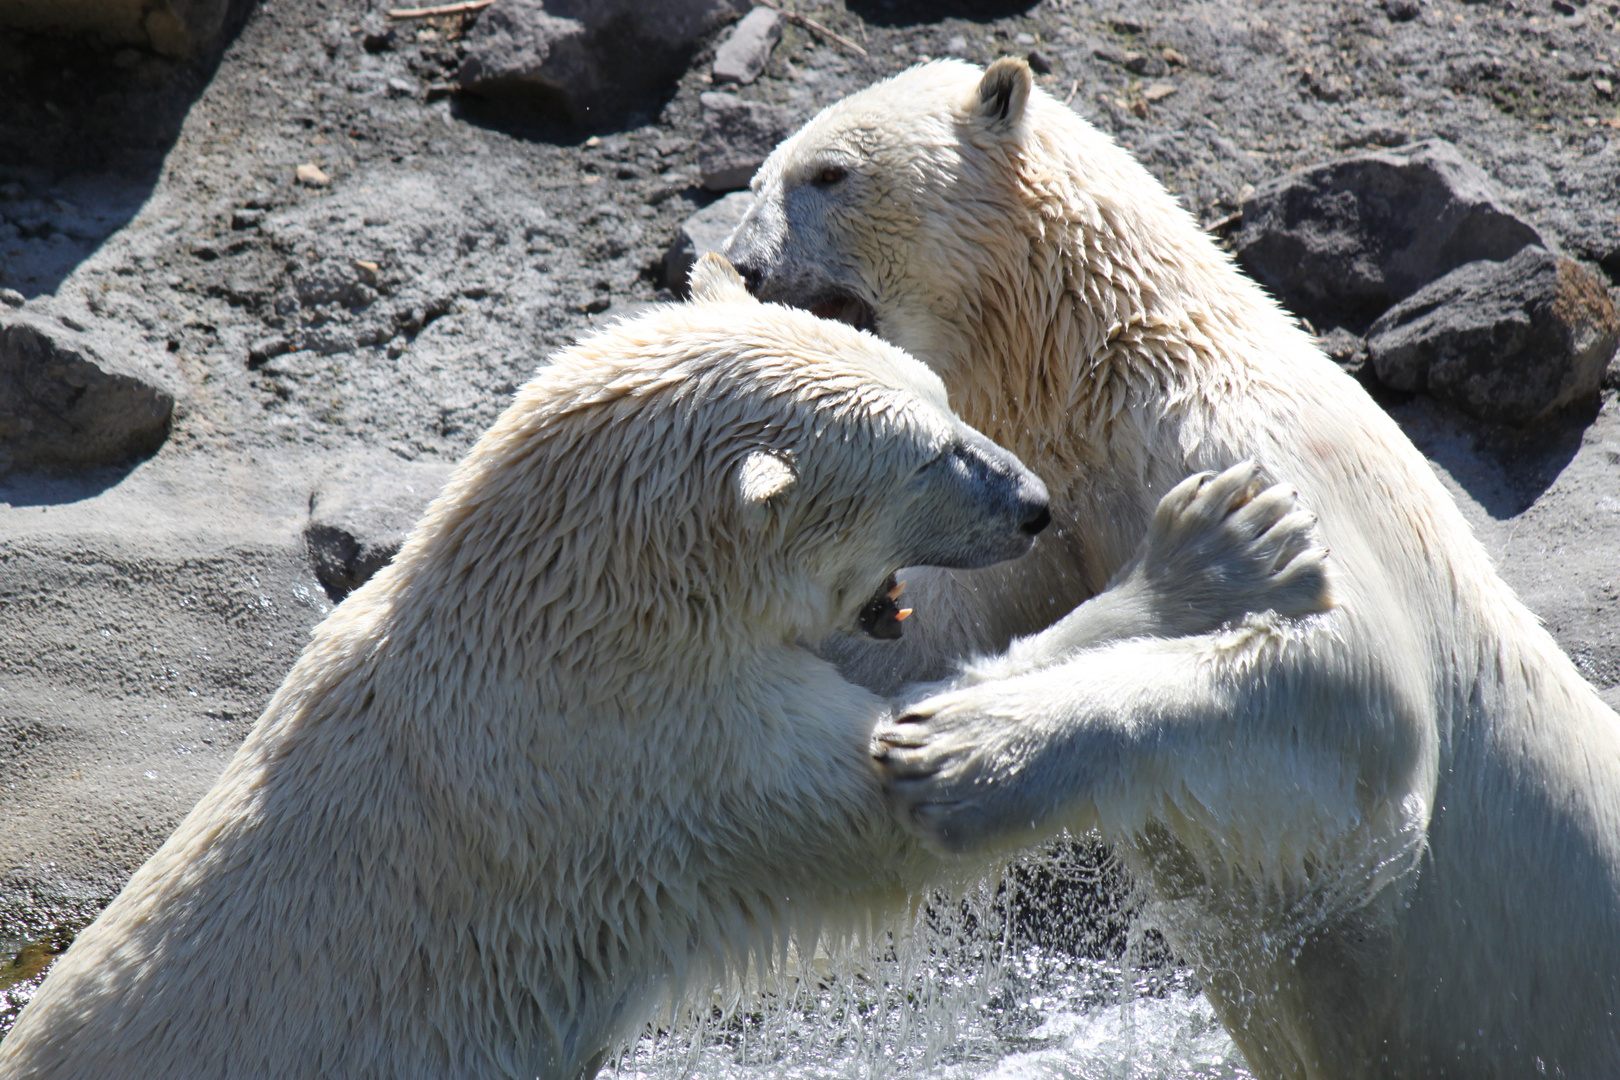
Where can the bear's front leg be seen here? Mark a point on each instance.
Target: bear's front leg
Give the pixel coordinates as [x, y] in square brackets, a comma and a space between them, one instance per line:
[1220, 546]
[1109, 736]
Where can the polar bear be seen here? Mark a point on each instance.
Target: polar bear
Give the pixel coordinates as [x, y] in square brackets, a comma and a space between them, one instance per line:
[567, 753]
[1387, 838]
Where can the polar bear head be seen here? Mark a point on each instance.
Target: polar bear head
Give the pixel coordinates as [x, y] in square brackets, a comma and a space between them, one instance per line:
[728, 456]
[889, 209]
[981, 225]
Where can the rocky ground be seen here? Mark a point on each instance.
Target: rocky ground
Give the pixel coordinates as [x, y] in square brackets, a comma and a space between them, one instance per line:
[340, 269]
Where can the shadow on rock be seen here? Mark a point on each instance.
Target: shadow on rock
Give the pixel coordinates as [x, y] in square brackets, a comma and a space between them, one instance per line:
[1502, 469]
[83, 134]
[533, 116]
[48, 489]
[897, 13]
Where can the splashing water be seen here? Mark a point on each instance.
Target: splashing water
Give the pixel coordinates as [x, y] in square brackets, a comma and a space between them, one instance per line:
[1043, 972]
[1010, 982]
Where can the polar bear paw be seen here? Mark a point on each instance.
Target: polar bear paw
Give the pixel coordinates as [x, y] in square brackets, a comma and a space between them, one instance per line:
[959, 768]
[1225, 545]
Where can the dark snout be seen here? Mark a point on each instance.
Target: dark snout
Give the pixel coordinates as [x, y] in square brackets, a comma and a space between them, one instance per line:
[752, 271]
[989, 506]
[752, 247]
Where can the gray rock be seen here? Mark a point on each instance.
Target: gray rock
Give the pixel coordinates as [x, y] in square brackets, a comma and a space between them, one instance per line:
[738, 136]
[359, 515]
[1506, 341]
[177, 28]
[68, 401]
[1338, 243]
[742, 56]
[597, 58]
[704, 231]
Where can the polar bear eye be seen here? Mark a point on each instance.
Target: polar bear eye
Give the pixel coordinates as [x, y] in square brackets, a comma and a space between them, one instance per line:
[829, 175]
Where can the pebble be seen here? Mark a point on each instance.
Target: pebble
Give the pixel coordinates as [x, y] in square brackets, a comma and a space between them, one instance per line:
[310, 175]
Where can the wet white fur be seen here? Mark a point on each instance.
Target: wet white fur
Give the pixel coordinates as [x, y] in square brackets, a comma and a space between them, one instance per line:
[567, 755]
[1389, 837]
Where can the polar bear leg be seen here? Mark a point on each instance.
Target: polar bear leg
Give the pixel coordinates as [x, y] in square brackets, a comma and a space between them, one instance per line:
[1220, 546]
[1106, 737]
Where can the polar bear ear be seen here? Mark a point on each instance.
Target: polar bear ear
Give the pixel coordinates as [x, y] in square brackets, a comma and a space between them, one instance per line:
[764, 475]
[714, 280]
[1003, 93]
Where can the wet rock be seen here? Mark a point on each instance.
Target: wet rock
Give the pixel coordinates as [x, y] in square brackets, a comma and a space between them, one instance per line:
[742, 56]
[597, 59]
[360, 514]
[738, 136]
[176, 28]
[704, 231]
[69, 401]
[1506, 341]
[1340, 242]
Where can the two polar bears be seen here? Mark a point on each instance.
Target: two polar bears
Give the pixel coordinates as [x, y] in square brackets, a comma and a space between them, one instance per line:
[1387, 837]
[567, 754]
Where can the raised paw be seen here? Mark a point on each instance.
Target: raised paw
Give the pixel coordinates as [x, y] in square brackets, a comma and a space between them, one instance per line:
[1224, 545]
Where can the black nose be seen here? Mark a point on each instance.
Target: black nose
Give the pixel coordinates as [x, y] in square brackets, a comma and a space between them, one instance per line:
[1037, 521]
[752, 275]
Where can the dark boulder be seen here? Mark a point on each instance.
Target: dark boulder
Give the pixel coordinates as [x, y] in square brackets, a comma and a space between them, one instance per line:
[1339, 243]
[595, 59]
[1506, 341]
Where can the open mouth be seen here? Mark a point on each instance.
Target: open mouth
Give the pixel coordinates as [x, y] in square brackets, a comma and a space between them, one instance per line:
[882, 615]
[845, 309]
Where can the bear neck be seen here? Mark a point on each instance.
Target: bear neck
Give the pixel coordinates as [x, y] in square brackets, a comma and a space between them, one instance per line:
[1107, 305]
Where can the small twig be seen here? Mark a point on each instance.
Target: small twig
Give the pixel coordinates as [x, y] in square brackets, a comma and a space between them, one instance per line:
[1216, 228]
[447, 9]
[1074, 88]
[811, 24]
